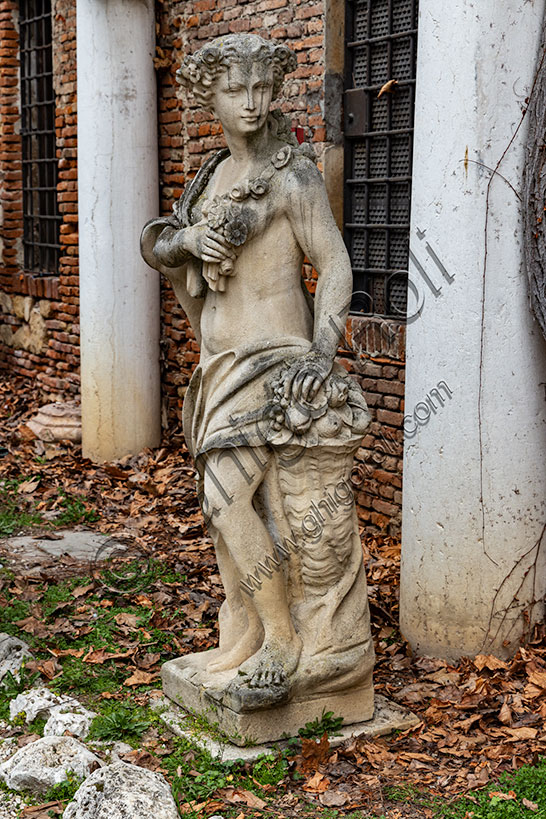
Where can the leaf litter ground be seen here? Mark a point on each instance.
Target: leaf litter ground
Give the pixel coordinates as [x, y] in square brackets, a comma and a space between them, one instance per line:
[107, 633]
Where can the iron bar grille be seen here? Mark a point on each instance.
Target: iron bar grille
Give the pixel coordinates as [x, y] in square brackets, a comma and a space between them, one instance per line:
[41, 219]
[381, 45]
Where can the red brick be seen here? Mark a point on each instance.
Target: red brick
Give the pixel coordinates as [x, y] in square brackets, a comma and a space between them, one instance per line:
[394, 419]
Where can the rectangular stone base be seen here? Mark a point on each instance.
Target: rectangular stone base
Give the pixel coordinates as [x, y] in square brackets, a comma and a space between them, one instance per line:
[197, 692]
[388, 717]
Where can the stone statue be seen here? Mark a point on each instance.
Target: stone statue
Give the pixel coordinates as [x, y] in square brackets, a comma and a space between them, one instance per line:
[271, 421]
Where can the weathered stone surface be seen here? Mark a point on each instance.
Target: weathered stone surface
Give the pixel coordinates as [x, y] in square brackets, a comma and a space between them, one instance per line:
[13, 653]
[44, 306]
[75, 719]
[39, 703]
[21, 306]
[6, 304]
[32, 335]
[205, 693]
[6, 334]
[294, 629]
[46, 762]
[388, 716]
[123, 791]
[82, 545]
[58, 422]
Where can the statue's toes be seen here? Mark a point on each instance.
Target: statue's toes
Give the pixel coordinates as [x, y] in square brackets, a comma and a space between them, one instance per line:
[279, 677]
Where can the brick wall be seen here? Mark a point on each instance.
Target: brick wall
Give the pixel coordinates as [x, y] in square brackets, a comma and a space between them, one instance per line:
[186, 136]
[39, 329]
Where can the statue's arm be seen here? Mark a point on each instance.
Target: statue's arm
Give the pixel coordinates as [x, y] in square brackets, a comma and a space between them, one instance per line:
[318, 235]
[173, 264]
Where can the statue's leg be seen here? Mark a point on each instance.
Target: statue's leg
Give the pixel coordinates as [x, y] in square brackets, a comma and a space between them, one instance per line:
[241, 630]
[249, 544]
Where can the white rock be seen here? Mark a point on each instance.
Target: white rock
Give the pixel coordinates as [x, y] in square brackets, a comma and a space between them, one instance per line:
[46, 762]
[117, 750]
[123, 791]
[75, 719]
[39, 702]
[13, 653]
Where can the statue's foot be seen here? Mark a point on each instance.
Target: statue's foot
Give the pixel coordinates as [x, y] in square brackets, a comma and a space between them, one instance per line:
[244, 648]
[272, 661]
[264, 680]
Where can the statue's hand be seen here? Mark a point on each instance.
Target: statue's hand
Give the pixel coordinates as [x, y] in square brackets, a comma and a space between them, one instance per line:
[306, 376]
[207, 244]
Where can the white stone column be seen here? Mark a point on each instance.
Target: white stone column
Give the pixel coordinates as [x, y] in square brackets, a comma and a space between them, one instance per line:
[117, 194]
[475, 450]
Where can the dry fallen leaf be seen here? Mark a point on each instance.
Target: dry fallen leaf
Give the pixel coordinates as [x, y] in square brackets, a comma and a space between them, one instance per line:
[528, 804]
[489, 661]
[43, 811]
[141, 678]
[318, 783]
[521, 733]
[505, 714]
[505, 797]
[27, 487]
[124, 618]
[144, 759]
[235, 795]
[49, 668]
[79, 591]
[538, 678]
[314, 753]
[334, 799]
[388, 88]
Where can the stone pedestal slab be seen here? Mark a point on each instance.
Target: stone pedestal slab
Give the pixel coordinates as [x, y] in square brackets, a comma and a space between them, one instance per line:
[206, 694]
[387, 717]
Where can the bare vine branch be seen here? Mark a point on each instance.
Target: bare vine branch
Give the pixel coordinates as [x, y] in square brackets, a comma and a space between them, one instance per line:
[534, 190]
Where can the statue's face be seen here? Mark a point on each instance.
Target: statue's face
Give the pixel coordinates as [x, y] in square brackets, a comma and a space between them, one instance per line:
[242, 97]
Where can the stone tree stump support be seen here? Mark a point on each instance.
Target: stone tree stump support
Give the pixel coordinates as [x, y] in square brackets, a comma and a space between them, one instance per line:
[473, 557]
[118, 191]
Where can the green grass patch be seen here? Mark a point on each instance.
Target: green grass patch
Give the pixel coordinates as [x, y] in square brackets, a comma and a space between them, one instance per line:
[64, 792]
[85, 678]
[528, 783]
[12, 516]
[74, 510]
[18, 512]
[121, 723]
[327, 724]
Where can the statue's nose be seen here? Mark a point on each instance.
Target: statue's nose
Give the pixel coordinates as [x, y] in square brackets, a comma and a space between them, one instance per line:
[250, 105]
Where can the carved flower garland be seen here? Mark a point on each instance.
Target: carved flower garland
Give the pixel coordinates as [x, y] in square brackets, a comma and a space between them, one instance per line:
[232, 220]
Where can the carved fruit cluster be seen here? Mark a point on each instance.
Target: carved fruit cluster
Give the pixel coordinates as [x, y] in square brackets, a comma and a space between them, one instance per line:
[327, 416]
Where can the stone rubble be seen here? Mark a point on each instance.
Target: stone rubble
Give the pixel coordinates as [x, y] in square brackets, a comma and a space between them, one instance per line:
[62, 713]
[11, 805]
[13, 653]
[74, 719]
[46, 762]
[123, 791]
[41, 703]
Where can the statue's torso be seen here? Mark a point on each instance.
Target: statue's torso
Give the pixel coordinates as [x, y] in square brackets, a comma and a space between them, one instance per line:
[264, 297]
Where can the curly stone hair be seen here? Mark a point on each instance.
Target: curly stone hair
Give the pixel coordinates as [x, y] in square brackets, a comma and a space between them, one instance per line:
[199, 70]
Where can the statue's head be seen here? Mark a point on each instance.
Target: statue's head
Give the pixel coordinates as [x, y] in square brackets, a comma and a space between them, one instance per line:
[222, 65]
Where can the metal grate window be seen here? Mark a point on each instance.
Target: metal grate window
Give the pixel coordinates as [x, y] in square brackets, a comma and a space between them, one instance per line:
[41, 217]
[381, 45]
